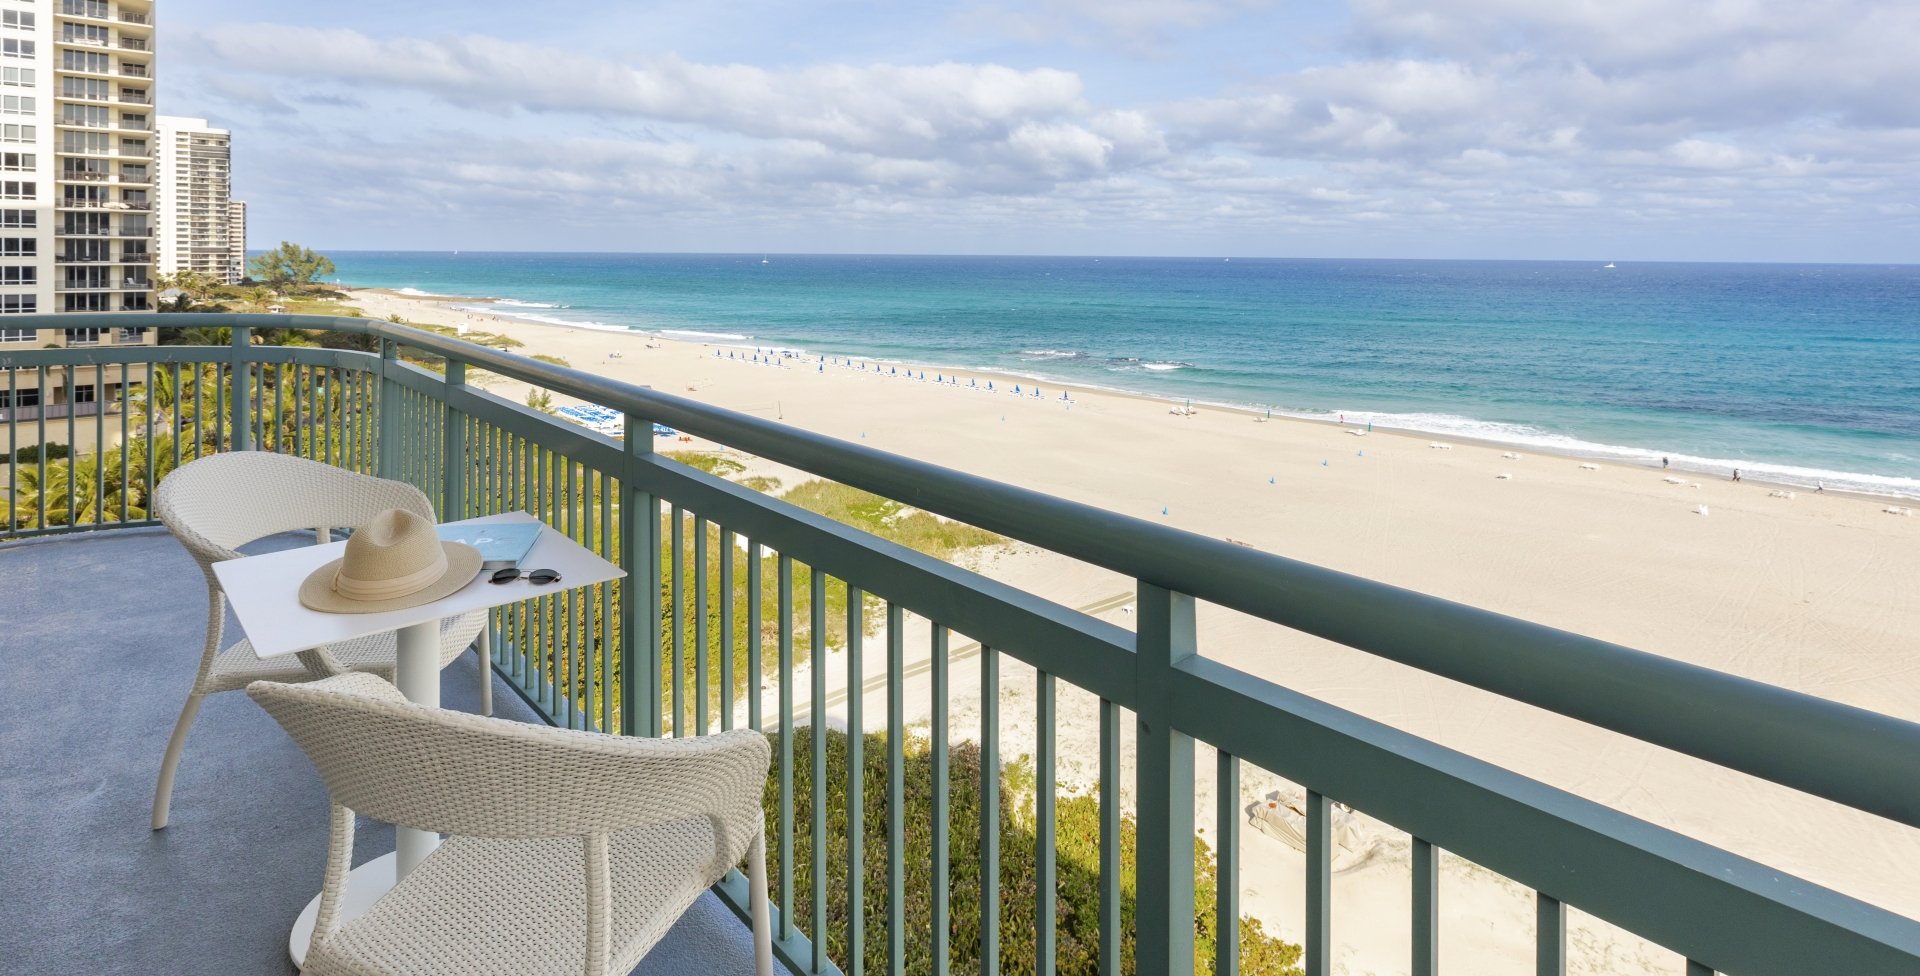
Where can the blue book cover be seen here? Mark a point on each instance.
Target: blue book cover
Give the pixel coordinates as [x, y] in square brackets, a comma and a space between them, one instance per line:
[501, 544]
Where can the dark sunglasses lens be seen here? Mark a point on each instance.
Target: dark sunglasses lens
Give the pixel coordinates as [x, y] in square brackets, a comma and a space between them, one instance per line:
[542, 577]
[507, 575]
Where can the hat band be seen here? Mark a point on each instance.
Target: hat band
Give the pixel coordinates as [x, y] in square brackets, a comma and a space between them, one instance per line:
[394, 587]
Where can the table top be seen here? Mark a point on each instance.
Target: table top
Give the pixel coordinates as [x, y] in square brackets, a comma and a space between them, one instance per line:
[264, 591]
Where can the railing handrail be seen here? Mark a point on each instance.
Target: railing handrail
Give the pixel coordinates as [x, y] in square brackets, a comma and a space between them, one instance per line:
[1860, 758]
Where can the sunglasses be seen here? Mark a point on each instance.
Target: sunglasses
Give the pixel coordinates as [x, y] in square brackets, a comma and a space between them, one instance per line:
[538, 577]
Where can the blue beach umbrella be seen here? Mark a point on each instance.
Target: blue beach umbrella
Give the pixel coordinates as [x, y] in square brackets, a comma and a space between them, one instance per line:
[1323, 462]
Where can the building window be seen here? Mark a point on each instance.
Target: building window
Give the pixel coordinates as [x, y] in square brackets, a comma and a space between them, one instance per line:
[129, 335]
[17, 77]
[18, 218]
[83, 337]
[19, 274]
[19, 335]
[20, 19]
[84, 32]
[18, 304]
[19, 189]
[16, 133]
[19, 247]
[86, 394]
[26, 396]
[18, 160]
[17, 104]
[16, 48]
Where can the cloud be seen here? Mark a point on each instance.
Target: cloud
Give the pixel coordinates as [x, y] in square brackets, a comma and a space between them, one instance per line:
[902, 110]
[1139, 26]
[1433, 121]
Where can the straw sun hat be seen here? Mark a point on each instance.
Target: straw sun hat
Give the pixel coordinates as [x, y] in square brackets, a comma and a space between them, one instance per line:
[396, 561]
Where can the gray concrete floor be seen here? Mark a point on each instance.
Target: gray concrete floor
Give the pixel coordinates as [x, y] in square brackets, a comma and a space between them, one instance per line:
[99, 637]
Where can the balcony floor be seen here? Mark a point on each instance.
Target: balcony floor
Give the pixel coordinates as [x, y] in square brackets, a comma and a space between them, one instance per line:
[98, 640]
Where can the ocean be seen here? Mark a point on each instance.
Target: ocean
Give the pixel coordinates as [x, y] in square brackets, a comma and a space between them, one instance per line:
[1792, 373]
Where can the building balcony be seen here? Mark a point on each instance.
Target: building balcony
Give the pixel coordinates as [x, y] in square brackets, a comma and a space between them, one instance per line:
[728, 609]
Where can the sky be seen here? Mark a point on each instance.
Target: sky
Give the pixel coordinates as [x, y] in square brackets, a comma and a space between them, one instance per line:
[1708, 130]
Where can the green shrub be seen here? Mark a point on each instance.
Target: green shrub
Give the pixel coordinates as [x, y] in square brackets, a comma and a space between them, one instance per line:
[712, 462]
[889, 519]
[31, 453]
[1077, 860]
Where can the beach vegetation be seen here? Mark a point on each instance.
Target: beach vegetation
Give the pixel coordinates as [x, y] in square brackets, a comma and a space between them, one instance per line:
[552, 360]
[1077, 865]
[31, 453]
[762, 483]
[712, 462]
[540, 399]
[919, 530]
[290, 266]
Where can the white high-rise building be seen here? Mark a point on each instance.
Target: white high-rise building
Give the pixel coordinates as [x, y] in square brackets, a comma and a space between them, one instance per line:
[76, 182]
[193, 196]
[236, 240]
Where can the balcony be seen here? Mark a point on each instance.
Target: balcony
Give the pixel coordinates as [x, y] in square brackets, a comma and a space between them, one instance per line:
[919, 634]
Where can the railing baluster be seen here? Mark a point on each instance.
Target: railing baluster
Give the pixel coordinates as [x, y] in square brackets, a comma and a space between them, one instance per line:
[1226, 854]
[603, 638]
[942, 873]
[756, 590]
[989, 811]
[1110, 866]
[40, 425]
[569, 599]
[126, 491]
[676, 597]
[1045, 799]
[784, 583]
[99, 447]
[639, 592]
[13, 444]
[1550, 931]
[1426, 909]
[856, 785]
[73, 445]
[817, 709]
[700, 689]
[726, 645]
[896, 793]
[1319, 884]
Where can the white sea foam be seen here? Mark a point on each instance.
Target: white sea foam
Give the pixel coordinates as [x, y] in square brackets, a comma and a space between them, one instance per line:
[1164, 367]
[417, 293]
[493, 309]
[1051, 353]
[517, 303]
[1530, 436]
[699, 336]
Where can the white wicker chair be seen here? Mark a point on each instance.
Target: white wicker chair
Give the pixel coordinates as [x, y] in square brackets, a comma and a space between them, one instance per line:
[570, 852]
[215, 505]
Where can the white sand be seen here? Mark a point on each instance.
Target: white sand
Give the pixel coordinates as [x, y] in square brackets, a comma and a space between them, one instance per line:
[1815, 593]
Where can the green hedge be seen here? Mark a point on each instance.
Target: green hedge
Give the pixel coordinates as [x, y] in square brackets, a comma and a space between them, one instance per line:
[1077, 859]
[30, 454]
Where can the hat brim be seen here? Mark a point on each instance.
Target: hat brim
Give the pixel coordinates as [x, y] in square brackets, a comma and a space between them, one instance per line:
[463, 565]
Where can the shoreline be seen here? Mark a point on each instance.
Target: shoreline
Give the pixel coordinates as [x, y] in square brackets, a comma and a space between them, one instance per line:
[1718, 470]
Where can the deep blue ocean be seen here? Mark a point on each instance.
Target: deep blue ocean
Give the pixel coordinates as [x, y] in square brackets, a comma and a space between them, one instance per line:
[1794, 373]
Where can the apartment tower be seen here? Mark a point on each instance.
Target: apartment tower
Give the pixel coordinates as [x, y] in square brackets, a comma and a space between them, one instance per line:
[236, 240]
[76, 182]
[193, 220]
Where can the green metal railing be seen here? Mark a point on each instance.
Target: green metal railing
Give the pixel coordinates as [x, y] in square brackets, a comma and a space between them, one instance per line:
[624, 659]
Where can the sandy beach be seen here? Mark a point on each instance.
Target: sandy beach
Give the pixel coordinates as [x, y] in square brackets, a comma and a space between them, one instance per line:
[1815, 593]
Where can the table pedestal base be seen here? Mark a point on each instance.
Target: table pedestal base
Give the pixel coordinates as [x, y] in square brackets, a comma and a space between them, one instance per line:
[365, 885]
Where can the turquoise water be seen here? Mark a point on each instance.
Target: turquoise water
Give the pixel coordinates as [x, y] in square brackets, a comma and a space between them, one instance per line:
[1793, 373]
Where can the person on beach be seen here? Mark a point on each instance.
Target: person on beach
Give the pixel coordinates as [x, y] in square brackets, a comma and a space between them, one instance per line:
[1819, 487]
[1665, 464]
[1736, 474]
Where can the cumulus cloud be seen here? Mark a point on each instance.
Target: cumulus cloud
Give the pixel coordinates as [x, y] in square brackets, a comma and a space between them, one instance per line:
[1430, 118]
